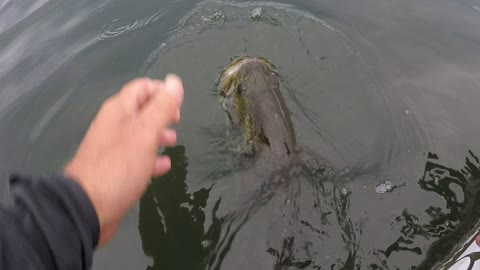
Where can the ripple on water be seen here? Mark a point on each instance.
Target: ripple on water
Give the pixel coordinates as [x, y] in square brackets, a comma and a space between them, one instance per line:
[116, 27]
[337, 105]
[13, 11]
[340, 114]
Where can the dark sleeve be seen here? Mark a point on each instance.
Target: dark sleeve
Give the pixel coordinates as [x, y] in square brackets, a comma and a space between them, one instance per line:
[50, 223]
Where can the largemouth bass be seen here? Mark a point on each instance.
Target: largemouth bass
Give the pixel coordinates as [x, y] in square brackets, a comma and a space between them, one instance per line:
[256, 111]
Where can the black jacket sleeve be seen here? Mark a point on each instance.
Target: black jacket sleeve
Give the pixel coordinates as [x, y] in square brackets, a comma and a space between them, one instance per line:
[50, 223]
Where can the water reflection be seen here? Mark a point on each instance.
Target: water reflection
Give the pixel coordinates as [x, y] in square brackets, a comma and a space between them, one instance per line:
[447, 225]
[301, 224]
[310, 217]
[273, 223]
[171, 219]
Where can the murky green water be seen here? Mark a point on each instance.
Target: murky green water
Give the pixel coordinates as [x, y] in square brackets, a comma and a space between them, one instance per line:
[378, 91]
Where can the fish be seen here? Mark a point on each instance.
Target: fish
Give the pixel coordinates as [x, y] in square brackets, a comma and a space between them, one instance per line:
[258, 118]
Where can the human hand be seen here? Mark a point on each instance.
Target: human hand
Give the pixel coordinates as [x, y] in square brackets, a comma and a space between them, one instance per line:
[118, 155]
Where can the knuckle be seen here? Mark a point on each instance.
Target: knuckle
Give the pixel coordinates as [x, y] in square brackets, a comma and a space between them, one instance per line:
[130, 86]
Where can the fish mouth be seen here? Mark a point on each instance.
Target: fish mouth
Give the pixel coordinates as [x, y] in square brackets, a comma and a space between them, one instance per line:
[231, 75]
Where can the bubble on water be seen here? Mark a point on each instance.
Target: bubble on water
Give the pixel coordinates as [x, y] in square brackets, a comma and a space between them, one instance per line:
[448, 224]
[206, 243]
[218, 15]
[215, 17]
[345, 171]
[257, 13]
[384, 187]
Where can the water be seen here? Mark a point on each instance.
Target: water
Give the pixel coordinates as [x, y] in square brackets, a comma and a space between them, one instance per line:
[378, 90]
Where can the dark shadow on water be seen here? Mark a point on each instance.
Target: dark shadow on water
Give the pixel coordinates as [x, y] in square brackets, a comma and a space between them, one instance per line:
[171, 219]
[286, 257]
[460, 188]
[175, 231]
[171, 222]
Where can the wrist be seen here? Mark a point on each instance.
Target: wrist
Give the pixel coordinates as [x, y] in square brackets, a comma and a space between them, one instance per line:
[70, 173]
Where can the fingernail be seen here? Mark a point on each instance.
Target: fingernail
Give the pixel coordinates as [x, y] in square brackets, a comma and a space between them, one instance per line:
[173, 85]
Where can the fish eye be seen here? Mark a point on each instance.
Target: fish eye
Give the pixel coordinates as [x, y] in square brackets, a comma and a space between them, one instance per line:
[241, 88]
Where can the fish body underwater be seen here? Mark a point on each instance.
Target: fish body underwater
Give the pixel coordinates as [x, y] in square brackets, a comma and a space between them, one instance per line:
[257, 114]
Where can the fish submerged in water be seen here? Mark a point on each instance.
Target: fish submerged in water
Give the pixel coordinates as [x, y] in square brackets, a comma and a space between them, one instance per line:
[256, 111]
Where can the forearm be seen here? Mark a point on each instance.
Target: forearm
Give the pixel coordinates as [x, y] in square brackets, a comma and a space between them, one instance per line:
[50, 224]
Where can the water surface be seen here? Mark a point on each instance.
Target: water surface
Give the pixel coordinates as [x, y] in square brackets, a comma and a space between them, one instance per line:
[378, 90]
